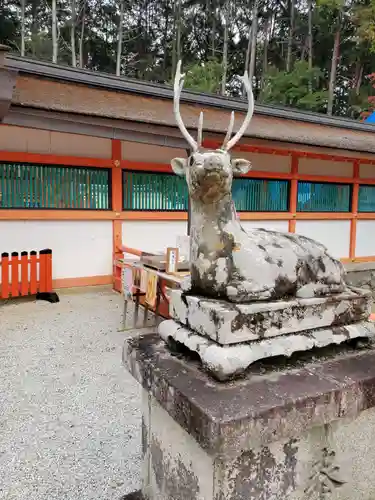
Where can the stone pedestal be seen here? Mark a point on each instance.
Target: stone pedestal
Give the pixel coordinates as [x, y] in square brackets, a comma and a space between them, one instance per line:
[303, 433]
[229, 337]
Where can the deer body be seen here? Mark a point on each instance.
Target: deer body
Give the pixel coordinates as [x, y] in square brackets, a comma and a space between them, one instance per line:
[239, 266]
[229, 263]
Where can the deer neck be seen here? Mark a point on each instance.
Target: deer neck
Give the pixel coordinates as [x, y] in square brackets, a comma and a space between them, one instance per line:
[207, 224]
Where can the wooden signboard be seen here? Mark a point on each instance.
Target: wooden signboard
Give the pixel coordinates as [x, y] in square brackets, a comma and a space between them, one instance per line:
[172, 260]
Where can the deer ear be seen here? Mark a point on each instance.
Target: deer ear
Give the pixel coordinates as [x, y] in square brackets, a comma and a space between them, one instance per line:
[179, 166]
[240, 166]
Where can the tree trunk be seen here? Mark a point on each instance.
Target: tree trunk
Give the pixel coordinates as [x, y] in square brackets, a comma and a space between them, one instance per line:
[334, 63]
[225, 49]
[358, 78]
[22, 28]
[83, 20]
[34, 26]
[213, 28]
[290, 38]
[73, 33]
[254, 33]
[267, 27]
[166, 28]
[310, 41]
[119, 38]
[248, 50]
[178, 34]
[54, 32]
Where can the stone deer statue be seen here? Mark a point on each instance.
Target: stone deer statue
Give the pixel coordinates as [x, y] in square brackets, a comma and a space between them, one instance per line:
[227, 262]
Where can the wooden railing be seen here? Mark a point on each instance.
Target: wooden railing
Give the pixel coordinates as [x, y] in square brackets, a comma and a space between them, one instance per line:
[25, 273]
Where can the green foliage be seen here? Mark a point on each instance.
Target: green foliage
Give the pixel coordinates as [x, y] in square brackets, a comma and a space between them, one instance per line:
[293, 89]
[9, 24]
[204, 77]
[368, 108]
[150, 48]
[364, 18]
[331, 5]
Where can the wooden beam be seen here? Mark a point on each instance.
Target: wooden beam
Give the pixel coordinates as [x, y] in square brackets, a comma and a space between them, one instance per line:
[117, 198]
[249, 148]
[49, 159]
[293, 193]
[80, 282]
[47, 214]
[354, 210]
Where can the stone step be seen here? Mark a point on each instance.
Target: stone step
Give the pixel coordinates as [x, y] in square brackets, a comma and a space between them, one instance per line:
[228, 323]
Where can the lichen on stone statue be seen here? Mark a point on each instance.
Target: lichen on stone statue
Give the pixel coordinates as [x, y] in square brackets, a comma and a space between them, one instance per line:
[226, 261]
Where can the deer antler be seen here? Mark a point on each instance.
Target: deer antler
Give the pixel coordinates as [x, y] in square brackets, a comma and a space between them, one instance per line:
[228, 144]
[178, 85]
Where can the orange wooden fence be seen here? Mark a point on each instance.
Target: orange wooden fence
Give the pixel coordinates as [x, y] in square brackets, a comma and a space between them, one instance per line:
[25, 273]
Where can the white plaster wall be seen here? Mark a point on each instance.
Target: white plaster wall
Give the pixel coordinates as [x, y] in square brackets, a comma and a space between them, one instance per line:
[273, 225]
[365, 243]
[152, 236]
[334, 234]
[156, 236]
[80, 248]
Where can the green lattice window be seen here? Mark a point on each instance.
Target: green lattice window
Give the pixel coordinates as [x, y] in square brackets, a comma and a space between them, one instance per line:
[323, 197]
[42, 186]
[260, 195]
[159, 191]
[366, 199]
[154, 191]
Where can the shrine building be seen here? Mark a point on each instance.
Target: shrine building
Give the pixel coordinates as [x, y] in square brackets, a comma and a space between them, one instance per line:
[85, 169]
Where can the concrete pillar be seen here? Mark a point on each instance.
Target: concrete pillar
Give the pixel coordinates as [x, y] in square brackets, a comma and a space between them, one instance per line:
[302, 431]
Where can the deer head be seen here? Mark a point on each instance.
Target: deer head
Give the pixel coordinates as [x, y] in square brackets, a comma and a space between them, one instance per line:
[208, 173]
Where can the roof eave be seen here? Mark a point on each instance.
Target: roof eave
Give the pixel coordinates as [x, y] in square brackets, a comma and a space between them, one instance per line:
[121, 84]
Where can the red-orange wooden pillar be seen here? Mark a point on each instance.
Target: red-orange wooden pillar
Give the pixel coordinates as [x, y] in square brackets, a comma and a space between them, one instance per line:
[33, 272]
[293, 193]
[5, 282]
[354, 210]
[24, 273]
[117, 203]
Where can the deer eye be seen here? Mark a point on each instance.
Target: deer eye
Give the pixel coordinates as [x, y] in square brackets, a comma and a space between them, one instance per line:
[191, 161]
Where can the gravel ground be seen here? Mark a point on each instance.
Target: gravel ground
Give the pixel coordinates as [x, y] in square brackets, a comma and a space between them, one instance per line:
[70, 412]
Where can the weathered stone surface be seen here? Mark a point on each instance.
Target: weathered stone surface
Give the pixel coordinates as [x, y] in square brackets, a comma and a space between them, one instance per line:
[256, 409]
[355, 455]
[303, 433]
[361, 274]
[241, 267]
[178, 467]
[226, 262]
[229, 323]
[226, 361]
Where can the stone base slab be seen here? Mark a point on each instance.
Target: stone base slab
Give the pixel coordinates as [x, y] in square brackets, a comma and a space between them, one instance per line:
[228, 323]
[225, 362]
[303, 433]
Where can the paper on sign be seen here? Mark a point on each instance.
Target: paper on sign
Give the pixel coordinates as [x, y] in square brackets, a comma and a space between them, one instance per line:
[144, 279]
[151, 289]
[127, 281]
